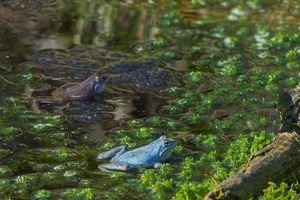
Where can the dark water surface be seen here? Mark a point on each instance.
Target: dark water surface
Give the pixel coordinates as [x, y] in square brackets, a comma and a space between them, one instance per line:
[208, 75]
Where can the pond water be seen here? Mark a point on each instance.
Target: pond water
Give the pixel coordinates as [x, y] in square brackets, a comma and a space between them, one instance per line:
[205, 73]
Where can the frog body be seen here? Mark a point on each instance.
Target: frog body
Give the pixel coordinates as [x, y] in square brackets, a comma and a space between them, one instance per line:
[151, 155]
[92, 86]
[86, 90]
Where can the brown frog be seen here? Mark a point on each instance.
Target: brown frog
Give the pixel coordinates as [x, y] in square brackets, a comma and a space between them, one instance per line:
[88, 89]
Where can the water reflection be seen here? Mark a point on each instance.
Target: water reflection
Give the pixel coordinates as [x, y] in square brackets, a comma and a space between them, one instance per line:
[126, 26]
[123, 108]
[94, 22]
[147, 105]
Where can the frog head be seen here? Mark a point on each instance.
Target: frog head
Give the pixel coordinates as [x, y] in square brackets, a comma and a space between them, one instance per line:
[165, 147]
[99, 83]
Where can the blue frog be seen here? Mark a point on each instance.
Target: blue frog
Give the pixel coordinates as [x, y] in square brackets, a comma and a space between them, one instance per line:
[151, 155]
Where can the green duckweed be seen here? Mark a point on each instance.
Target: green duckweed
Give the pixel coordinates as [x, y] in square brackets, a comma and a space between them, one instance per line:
[279, 192]
[167, 56]
[209, 142]
[42, 195]
[5, 171]
[11, 102]
[293, 66]
[71, 174]
[161, 184]
[10, 133]
[145, 132]
[173, 91]
[128, 141]
[53, 155]
[23, 184]
[172, 110]
[194, 76]
[4, 153]
[232, 66]
[134, 124]
[159, 42]
[156, 122]
[78, 194]
[43, 127]
[230, 42]
[28, 77]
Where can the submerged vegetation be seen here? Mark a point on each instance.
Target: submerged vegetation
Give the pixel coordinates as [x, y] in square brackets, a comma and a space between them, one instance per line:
[232, 58]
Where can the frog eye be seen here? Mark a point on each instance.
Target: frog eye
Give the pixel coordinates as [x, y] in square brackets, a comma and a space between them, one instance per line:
[166, 143]
[98, 78]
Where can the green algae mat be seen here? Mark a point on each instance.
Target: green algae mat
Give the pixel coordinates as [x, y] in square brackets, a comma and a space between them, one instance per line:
[207, 74]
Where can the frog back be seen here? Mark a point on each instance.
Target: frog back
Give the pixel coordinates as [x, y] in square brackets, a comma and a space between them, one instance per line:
[143, 156]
